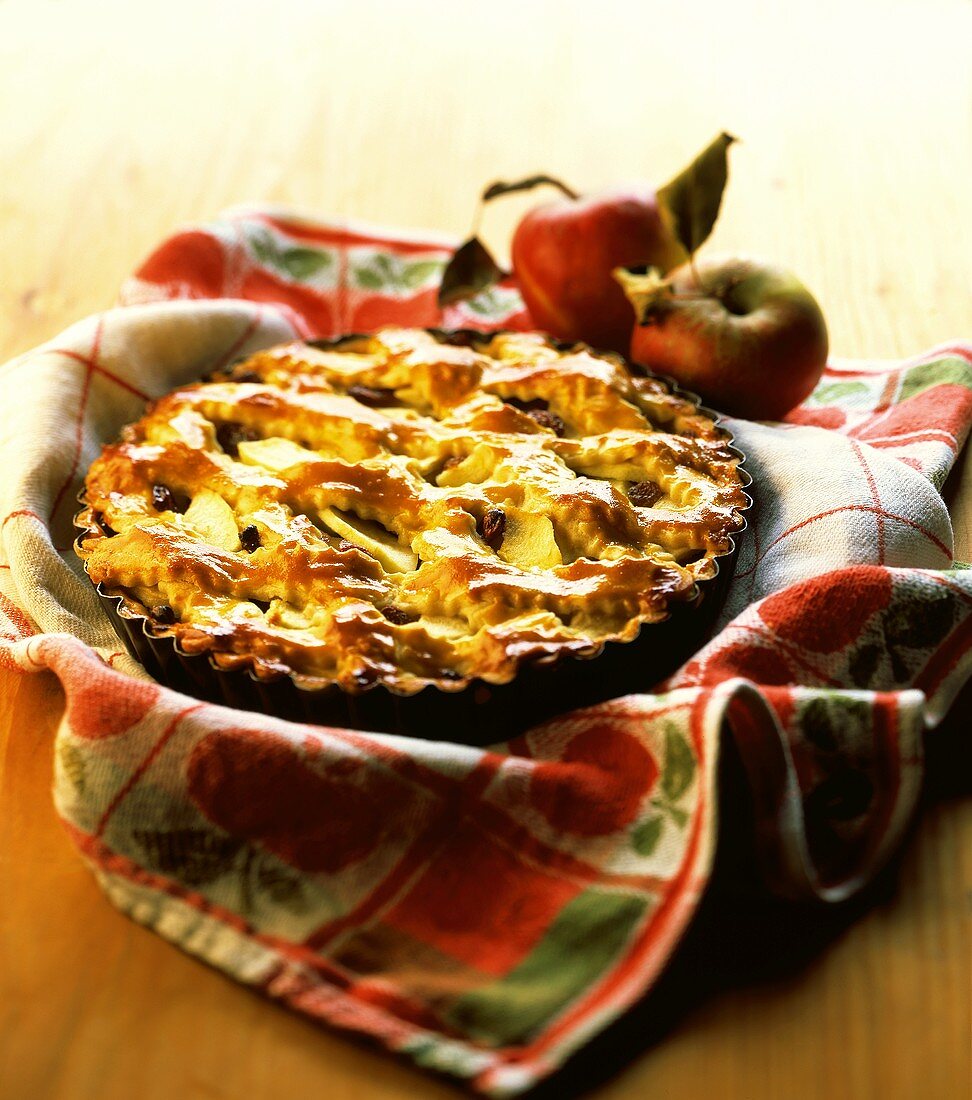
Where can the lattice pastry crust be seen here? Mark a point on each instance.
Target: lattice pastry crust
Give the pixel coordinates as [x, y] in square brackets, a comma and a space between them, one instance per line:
[411, 508]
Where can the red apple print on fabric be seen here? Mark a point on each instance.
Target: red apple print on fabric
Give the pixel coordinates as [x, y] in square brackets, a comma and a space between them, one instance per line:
[831, 418]
[259, 787]
[191, 264]
[944, 407]
[754, 662]
[827, 613]
[375, 310]
[97, 708]
[598, 785]
[312, 310]
[479, 901]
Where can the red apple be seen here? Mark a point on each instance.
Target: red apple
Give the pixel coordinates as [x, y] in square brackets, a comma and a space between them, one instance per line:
[747, 337]
[564, 253]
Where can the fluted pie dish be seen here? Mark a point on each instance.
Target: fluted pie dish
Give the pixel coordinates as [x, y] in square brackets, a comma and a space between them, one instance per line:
[451, 534]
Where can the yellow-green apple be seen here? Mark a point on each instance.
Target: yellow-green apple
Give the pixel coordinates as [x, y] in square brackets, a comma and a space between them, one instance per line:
[747, 337]
[564, 253]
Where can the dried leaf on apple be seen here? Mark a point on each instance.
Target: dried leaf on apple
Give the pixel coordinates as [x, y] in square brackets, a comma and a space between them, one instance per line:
[694, 196]
[472, 269]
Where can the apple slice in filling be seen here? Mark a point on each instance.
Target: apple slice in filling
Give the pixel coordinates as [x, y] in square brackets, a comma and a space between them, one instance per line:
[372, 538]
[529, 541]
[213, 518]
[275, 454]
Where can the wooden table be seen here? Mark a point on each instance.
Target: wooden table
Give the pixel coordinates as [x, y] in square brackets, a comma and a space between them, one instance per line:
[854, 170]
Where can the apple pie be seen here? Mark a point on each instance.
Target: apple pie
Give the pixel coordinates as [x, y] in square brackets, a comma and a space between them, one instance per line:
[411, 509]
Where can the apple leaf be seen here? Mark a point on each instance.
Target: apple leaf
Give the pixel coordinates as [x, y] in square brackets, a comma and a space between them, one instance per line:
[502, 187]
[694, 196]
[644, 289]
[470, 270]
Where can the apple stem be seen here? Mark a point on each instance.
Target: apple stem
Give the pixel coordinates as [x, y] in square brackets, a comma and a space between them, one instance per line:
[568, 191]
[698, 278]
[503, 187]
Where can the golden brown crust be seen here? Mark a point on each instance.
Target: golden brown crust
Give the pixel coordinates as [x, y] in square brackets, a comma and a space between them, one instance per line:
[410, 508]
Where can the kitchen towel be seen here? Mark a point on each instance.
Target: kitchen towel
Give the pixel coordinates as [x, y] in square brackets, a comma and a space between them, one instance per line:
[485, 911]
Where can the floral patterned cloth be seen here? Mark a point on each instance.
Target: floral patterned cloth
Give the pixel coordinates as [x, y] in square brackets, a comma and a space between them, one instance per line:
[485, 912]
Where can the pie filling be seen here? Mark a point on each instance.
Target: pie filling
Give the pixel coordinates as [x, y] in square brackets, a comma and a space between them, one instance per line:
[411, 508]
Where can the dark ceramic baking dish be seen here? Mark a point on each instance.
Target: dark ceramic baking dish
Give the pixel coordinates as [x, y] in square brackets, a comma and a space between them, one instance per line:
[478, 712]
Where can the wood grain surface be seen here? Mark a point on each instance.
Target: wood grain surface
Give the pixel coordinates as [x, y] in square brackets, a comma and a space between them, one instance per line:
[120, 121]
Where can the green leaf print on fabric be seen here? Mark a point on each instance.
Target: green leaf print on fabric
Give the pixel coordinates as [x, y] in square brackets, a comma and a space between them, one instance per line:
[950, 371]
[837, 393]
[70, 760]
[679, 764]
[646, 835]
[381, 271]
[196, 856]
[297, 262]
[588, 934]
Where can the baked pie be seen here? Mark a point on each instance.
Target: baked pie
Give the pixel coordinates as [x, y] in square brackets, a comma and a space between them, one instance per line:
[411, 509]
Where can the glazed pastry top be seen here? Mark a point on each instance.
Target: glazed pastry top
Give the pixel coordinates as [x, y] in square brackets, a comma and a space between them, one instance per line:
[411, 508]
